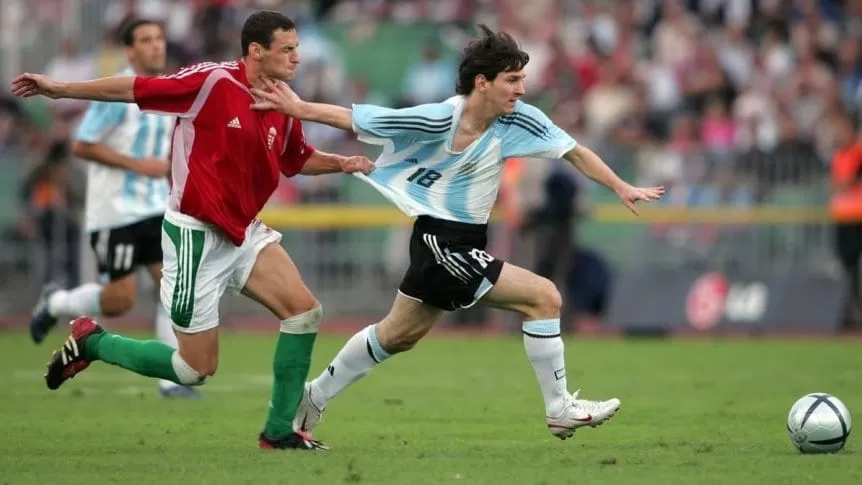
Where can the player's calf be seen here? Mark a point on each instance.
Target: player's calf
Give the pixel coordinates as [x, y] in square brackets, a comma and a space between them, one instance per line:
[407, 322]
[394, 337]
[117, 297]
[114, 299]
[56, 302]
[199, 352]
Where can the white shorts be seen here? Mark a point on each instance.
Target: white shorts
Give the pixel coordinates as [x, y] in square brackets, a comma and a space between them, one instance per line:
[200, 263]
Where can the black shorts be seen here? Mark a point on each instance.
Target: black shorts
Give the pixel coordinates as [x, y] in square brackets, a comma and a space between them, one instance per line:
[121, 250]
[449, 268]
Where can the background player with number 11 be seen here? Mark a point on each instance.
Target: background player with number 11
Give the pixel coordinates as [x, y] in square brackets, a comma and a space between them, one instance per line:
[127, 191]
[443, 163]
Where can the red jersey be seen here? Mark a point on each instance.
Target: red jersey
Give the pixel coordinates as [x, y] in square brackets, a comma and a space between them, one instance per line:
[225, 157]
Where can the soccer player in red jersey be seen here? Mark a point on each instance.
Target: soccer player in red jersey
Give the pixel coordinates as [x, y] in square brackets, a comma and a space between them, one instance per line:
[225, 164]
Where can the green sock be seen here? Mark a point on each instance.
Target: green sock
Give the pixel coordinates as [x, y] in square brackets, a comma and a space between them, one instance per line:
[149, 358]
[290, 369]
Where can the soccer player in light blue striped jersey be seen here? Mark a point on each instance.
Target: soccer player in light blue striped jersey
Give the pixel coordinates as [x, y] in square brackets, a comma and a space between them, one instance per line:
[443, 162]
[127, 192]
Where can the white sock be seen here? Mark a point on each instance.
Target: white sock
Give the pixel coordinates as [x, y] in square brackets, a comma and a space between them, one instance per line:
[83, 300]
[545, 350]
[165, 334]
[356, 359]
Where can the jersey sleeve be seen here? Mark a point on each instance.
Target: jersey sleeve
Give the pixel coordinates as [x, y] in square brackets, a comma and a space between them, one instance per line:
[296, 151]
[418, 123]
[99, 120]
[169, 95]
[530, 133]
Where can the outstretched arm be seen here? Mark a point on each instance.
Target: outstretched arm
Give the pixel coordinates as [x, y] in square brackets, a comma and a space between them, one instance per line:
[298, 157]
[328, 114]
[281, 98]
[418, 123]
[120, 88]
[531, 133]
[320, 163]
[596, 169]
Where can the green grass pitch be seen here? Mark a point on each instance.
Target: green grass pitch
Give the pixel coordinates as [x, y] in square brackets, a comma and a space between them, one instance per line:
[456, 410]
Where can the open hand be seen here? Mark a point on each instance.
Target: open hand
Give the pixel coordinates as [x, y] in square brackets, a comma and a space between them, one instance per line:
[278, 97]
[27, 85]
[357, 164]
[629, 195]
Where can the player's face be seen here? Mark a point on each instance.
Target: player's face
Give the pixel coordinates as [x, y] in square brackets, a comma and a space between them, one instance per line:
[148, 51]
[505, 90]
[282, 58]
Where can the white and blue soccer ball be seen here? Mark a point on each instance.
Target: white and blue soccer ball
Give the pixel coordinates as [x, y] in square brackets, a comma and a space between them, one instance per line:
[819, 423]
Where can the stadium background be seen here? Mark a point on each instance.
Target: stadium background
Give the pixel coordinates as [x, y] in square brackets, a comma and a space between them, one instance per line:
[734, 105]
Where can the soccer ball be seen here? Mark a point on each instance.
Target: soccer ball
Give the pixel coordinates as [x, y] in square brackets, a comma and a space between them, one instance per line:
[818, 423]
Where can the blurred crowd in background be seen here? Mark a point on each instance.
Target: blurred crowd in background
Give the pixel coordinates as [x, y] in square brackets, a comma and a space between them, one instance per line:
[725, 102]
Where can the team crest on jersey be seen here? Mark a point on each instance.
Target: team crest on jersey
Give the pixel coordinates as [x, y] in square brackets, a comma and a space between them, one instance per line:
[271, 138]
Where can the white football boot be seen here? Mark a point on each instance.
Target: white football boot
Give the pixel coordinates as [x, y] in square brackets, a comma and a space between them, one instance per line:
[579, 413]
[308, 414]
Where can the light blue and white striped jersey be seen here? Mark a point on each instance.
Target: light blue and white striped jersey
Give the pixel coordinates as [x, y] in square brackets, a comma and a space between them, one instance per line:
[118, 197]
[420, 173]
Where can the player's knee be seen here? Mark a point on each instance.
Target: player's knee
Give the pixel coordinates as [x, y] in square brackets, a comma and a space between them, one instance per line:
[194, 369]
[291, 306]
[546, 301]
[192, 373]
[308, 305]
[207, 368]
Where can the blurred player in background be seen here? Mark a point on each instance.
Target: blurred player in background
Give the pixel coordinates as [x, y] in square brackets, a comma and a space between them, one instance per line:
[225, 164]
[846, 210]
[127, 192]
[443, 162]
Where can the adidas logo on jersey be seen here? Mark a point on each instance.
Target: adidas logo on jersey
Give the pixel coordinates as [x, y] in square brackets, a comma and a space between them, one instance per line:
[270, 139]
[234, 123]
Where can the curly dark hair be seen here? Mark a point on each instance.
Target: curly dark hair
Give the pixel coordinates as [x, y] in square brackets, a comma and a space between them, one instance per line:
[489, 55]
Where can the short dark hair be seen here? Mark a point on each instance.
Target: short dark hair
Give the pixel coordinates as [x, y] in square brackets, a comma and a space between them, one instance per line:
[127, 30]
[489, 55]
[260, 26]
